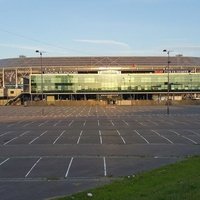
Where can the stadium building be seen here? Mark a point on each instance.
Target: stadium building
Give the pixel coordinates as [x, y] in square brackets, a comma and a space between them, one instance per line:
[106, 79]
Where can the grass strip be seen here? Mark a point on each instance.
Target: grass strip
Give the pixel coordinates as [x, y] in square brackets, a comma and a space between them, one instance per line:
[179, 181]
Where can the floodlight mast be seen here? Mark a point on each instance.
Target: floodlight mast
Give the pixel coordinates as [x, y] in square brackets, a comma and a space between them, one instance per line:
[41, 71]
[168, 84]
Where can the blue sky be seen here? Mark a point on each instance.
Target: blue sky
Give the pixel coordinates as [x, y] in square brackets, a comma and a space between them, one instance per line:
[99, 27]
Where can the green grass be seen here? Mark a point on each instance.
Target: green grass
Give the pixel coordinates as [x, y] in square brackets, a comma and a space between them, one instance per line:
[179, 181]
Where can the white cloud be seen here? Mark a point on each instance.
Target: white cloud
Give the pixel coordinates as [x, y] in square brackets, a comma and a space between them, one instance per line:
[103, 42]
[14, 46]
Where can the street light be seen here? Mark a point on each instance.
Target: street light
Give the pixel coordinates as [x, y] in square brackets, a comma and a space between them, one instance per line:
[41, 69]
[190, 87]
[168, 85]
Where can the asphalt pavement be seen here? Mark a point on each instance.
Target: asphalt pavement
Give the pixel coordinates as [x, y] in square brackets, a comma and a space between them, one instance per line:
[54, 151]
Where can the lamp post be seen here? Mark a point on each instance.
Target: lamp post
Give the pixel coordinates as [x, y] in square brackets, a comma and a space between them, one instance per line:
[168, 85]
[190, 87]
[41, 70]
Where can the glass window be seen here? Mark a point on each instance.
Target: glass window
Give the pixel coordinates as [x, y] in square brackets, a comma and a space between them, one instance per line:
[114, 82]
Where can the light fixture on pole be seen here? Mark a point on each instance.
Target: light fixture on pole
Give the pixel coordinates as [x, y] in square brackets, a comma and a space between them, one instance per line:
[41, 71]
[168, 84]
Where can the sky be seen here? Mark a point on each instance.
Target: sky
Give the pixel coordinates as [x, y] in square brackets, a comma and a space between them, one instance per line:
[99, 27]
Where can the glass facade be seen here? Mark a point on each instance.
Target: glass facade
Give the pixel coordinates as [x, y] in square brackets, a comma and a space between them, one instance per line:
[114, 82]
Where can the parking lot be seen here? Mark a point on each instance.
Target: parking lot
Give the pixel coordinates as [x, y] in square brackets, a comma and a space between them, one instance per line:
[53, 151]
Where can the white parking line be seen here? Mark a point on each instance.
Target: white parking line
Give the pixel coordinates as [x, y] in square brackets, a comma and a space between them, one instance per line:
[4, 161]
[27, 124]
[104, 166]
[58, 137]
[112, 122]
[11, 125]
[100, 137]
[33, 167]
[5, 133]
[79, 137]
[57, 123]
[16, 137]
[195, 133]
[15, 123]
[194, 142]
[126, 122]
[43, 123]
[70, 123]
[141, 124]
[24, 133]
[10, 140]
[142, 137]
[37, 137]
[69, 166]
[121, 137]
[84, 123]
[175, 132]
[162, 136]
[189, 139]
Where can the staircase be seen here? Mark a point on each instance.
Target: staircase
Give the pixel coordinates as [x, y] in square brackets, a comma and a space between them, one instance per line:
[14, 100]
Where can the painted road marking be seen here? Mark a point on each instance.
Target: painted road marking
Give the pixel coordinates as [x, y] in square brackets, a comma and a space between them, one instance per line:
[175, 132]
[162, 136]
[126, 122]
[69, 166]
[141, 123]
[37, 137]
[142, 137]
[104, 166]
[100, 137]
[4, 161]
[27, 124]
[24, 133]
[84, 123]
[58, 137]
[112, 122]
[10, 140]
[15, 123]
[98, 123]
[16, 137]
[57, 123]
[10, 125]
[183, 136]
[197, 134]
[43, 123]
[121, 137]
[70, 123]
[33, 167]
[5, 133]
[189, 139]
[79, 137]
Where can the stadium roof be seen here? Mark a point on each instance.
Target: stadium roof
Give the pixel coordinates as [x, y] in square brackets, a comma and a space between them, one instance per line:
[98, 61]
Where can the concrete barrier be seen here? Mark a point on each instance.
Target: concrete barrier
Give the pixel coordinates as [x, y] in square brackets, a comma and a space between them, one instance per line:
[104, 103]
[68, 103]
